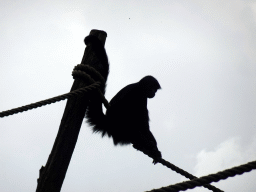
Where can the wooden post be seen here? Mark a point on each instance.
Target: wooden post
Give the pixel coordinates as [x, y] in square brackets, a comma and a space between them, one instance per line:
[52, 175]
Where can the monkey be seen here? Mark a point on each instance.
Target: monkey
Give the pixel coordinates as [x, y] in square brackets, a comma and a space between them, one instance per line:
[101, 64]
[110, 124]
[127, 119]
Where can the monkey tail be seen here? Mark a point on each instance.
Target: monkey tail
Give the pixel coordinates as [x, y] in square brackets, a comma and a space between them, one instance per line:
[96, 118]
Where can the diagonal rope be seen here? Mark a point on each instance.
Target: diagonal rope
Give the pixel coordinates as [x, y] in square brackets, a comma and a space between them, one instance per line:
[239, 170]
[186, 174]
[78, 72]
[177, 170]
[75, 93]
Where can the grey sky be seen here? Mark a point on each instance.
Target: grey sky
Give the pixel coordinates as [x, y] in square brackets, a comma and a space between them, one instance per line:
[204, 118]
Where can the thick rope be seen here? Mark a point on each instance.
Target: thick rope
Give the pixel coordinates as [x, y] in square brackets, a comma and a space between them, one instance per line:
[239, 170]
[78, 72]
[187, 175]
[178, 170]
[75, 93]
[91, 70]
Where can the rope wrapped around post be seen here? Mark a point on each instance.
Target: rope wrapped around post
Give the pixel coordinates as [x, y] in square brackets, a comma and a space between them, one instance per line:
[90, 74]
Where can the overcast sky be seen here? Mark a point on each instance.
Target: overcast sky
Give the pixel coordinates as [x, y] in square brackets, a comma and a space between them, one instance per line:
[204, 118]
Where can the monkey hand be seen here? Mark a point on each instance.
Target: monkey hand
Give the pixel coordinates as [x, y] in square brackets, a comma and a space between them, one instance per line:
[156, 160]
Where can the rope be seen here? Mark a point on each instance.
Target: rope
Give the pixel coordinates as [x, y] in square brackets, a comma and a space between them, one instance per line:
[175, 168]
[78, 72]
[81, 70]
[75, 93]
[91, 70]
[239, 170]
[186, 174]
